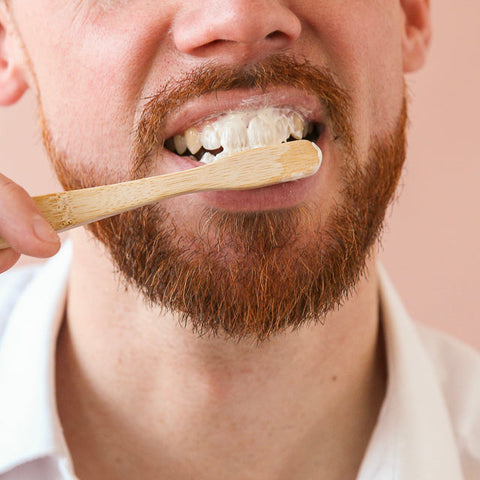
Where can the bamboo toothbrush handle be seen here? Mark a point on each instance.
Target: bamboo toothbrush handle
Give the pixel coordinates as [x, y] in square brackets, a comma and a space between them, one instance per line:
[250, 169]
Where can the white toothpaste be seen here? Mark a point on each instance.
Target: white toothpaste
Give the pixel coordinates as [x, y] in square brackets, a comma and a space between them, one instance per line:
[238, 131]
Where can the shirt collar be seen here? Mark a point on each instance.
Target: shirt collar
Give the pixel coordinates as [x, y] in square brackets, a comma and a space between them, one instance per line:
[413, 438]
[29, 423]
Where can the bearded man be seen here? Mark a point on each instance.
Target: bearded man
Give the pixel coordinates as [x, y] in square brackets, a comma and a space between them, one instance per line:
[221, 335]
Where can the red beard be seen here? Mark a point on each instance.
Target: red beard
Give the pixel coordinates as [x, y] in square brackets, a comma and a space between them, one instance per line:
[251, 274]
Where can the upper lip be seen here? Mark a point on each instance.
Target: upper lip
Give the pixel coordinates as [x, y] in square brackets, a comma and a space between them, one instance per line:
[217, 103]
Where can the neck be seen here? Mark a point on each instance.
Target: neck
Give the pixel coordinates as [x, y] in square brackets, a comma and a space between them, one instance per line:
[154, 400]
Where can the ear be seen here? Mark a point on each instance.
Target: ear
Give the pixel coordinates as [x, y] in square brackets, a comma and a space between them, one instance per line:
[416, 33]
[13, 83]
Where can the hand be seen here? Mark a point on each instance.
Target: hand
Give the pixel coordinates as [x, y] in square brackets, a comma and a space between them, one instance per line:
[23, 226]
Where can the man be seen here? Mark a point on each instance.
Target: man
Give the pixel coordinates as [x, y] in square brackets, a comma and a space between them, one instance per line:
[221, 335]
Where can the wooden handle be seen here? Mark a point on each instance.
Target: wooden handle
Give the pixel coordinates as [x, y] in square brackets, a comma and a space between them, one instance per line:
[250, 169]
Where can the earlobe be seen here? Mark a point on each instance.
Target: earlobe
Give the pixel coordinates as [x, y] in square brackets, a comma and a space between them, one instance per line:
[416, 33]
[12, 79]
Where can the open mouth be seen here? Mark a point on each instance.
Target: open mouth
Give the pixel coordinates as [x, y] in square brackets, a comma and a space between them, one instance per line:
[237, 131]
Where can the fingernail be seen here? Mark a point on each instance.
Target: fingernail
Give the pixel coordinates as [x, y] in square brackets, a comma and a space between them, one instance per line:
[44, 231]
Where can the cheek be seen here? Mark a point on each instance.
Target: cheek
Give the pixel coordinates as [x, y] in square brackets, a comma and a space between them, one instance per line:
[91, 85]
[384, 79]
[360, 42]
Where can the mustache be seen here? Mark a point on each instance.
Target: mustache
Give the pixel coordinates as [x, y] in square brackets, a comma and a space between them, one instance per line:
[277, 70]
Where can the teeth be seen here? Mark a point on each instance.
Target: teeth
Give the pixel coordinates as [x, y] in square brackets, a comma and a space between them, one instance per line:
[233, 136]
[180, 144]
[192, 140]
[283, 129]
[237, 131]
[297, 126]
[260, 132]
[210, 138]
[307, 129]
[208, 158]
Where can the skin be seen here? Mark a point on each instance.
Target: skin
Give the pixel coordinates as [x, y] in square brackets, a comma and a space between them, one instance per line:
[209, 407]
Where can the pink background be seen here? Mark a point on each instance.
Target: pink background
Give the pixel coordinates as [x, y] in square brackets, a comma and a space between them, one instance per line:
[431, 244]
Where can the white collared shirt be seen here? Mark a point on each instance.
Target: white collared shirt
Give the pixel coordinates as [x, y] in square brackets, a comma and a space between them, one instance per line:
[428, 427]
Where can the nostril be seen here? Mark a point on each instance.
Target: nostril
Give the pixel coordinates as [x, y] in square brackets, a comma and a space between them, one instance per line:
[276, 35]
[278, 39]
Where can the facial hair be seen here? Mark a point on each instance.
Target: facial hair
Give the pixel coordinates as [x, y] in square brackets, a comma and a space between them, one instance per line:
[250, 274]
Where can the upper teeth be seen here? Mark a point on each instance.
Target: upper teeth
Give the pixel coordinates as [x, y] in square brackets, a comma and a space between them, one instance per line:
[237, 131]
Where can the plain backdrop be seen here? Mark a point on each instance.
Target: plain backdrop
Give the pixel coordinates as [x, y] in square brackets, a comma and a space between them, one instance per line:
[431, 243]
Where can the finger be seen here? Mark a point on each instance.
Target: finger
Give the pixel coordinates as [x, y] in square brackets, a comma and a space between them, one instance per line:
[8, 258]
[21, 223]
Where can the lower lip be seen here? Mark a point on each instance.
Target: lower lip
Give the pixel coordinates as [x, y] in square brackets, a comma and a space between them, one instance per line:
[273, 197]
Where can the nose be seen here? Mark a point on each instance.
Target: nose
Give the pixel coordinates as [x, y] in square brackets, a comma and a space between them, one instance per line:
[235, 30]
